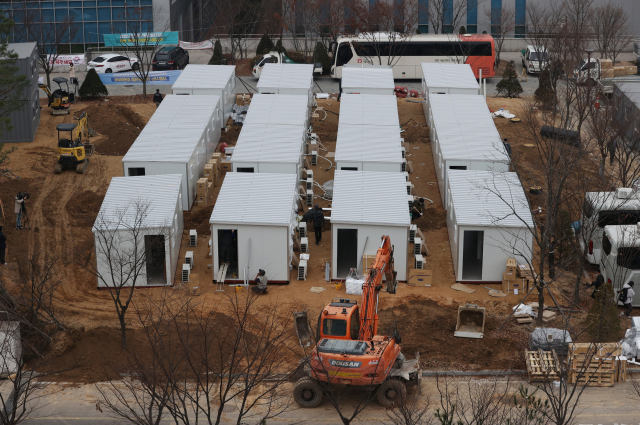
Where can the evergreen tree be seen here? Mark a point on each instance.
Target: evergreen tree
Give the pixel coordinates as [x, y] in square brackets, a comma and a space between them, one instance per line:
[217, 58]
[279, 48]
[509, 86]
[92, 86]
[544, 93]
[264, 46]
[463, 30]
[603, 321]
[12, 84]
[320, 55]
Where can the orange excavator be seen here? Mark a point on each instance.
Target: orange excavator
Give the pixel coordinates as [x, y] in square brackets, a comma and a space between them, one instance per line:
[349, 351]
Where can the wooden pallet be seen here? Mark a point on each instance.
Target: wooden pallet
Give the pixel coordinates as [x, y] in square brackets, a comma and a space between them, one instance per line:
[596, 379]
[594, 364]
[610, 349]
[542, 366]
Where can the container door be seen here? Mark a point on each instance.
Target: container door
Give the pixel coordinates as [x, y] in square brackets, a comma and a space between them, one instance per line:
[472, 255]
[155, 259]
[347, 252]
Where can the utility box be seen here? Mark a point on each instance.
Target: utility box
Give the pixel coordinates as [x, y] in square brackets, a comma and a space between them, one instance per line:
[470, 323]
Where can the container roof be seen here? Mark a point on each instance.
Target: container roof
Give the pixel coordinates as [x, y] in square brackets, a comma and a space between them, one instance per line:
[369, 109]
[368, 197]
[626, 235]
[204, 77]
[489, 198]
[260, 199]
[157, 194]
[631, 90]
[286, 76]
[289, 109]
[379, 77]
[269, 143]
[611, 200]
[23, 50]
[451, 75]
[368, 143]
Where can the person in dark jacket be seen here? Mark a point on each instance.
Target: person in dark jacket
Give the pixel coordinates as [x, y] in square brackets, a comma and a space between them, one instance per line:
[3, 247]
[417, 209]
[157, 98]
[596, 283]
[261, 283]
[318, 223]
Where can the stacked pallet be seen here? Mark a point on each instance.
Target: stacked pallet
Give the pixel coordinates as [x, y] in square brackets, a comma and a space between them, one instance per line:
[542, 366]
[593, 364]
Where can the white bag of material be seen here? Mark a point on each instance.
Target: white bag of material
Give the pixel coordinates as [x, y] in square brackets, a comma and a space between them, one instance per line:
[322, 95]
[354, 286]
[504, 114]
[522, 309]
[635, 322]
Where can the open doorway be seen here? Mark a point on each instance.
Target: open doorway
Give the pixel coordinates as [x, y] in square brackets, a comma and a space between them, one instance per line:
[155, 259]
[347, 252]
[472, 255]
[228, 251]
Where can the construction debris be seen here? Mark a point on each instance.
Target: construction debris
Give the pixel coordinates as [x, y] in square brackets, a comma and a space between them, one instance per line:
[463, 288]
[542, 366]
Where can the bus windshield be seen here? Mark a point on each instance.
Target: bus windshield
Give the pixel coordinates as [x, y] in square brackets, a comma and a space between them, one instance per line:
[629, 258]
[344, 54]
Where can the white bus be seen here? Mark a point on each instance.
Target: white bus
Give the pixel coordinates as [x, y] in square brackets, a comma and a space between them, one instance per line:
[620, 261]
[477, 50]
[602, 209]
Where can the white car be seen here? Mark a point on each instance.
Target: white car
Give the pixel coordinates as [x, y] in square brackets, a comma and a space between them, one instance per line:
[105, 64]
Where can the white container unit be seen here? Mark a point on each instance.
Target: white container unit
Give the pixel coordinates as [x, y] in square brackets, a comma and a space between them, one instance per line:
[284, 109]
[367, 79]
[10, 350]
[367, 205]
[269, 148]
[218, 80]
[446, 78]
[153, 206]
[369, 109]
[368, 148]
[277, 78]
[253, 222]
[489, 220]
[464, 137]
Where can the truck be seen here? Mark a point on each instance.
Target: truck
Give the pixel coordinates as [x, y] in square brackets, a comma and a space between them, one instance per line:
[276, 57]
[534, 58]
[601, 71]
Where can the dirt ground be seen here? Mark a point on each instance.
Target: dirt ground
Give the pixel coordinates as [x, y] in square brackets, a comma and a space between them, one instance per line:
[63, 207]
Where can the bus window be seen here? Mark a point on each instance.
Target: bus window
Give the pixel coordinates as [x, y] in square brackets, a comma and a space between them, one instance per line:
[344, 54]
[334, 327]
[607, 218]
[629, 217]
[629, 258]
[587, 209]
[606, 245]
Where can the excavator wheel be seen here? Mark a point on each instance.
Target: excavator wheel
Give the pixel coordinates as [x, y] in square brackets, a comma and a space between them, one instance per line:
[391, 393]
[82, 166]
[307, 393]
[58, 168]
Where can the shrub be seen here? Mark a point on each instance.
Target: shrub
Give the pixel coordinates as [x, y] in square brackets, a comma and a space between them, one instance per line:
[603, 321]
[264, 46]
[92, 86]
[544, 93]
[279, 48]
[217, 58]
[297, 57]
[463, 30]
[509, 86]
[320, 55]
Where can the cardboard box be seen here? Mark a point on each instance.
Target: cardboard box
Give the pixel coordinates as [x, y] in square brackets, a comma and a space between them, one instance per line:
[523, 270]
[606, 63]
[418, 277]
[209, 171]
[511, 266]
[217, 156]
[210, 190]
[243, 99]
[619, 71]
[367, 261]
[632, 70]
[225, 166]
[509, 276]
[201, 185]
[608, 73]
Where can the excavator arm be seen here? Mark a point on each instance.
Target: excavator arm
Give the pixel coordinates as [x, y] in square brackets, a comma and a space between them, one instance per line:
[45, 88]
[382, 266]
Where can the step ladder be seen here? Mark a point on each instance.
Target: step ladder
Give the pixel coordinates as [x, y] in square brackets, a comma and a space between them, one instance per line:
[222, 274]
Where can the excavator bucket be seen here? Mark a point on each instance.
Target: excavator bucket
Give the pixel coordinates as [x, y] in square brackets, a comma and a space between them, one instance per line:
[303, 329]
[471, 320]
[88, 149]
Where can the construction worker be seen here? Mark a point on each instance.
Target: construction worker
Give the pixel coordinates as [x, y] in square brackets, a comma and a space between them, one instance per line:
[3, 247]
[596, 283]
[261, 283]
[417, 209]
[626, 296]
[318, 223]
[19, 200]
[157, 98]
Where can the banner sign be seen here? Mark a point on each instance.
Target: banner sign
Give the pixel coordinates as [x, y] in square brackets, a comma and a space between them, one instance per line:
[200, 45]
[152, 38]
[67, 59]
[128, 78]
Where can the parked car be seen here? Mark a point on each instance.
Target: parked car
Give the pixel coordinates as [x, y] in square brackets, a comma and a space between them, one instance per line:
[111, 62]
[170, 57]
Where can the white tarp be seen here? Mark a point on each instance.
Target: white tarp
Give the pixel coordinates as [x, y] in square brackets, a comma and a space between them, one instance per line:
[200, 45]
[354, 286]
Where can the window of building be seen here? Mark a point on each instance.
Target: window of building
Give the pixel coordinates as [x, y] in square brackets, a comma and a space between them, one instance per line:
[521, 18]
[496, 17]
[91, 32]
[472, 16]
[447, 17]
[90, 14]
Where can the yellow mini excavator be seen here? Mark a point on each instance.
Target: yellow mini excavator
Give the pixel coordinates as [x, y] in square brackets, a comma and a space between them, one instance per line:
[73, 152]
[59, 99]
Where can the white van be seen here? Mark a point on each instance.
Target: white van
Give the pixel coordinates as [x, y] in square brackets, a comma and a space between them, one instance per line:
[602, 209]
[534, 59]
[620, 261]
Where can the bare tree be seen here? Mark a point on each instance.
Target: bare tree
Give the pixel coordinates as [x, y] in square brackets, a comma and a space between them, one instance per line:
[121, 247]
[503, 24]
[446, 16]
[142, 43]
[415, 410]
[49, 36]
[611, 30]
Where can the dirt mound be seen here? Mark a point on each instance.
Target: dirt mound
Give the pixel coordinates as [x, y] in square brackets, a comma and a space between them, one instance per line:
[428, 328]
[415, 131]
[433, 218]
[198, 218]
[84, 208]
[118, 124]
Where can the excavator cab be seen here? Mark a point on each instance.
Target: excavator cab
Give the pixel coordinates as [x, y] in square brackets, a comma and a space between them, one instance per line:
[73, 151]
[59, 99]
